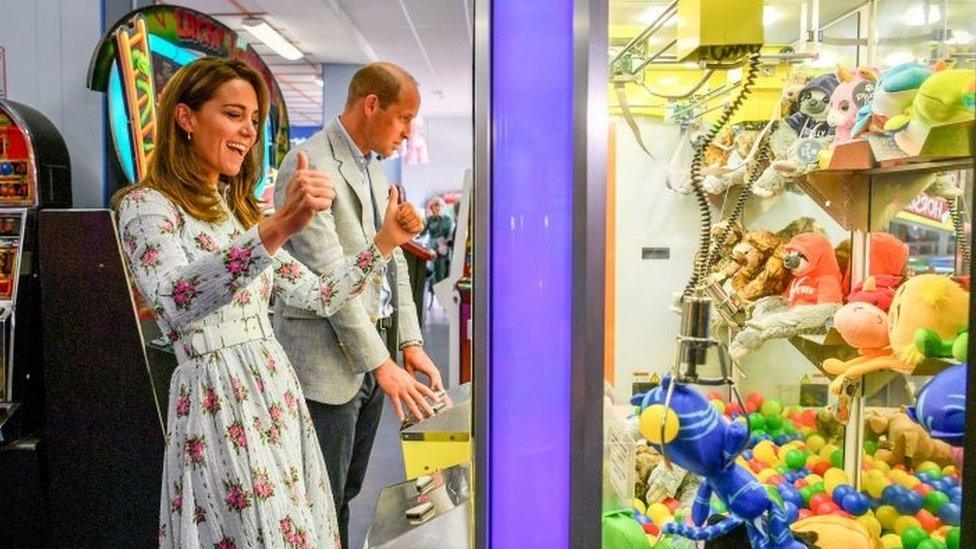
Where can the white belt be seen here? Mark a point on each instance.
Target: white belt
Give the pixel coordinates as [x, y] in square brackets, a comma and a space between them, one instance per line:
[219, 336]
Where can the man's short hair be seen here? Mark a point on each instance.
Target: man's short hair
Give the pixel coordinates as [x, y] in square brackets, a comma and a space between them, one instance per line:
[382, 79]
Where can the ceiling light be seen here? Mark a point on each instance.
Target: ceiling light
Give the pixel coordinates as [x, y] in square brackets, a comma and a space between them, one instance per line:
[960, 37]
[651, 14]
[896, 58]
[915, 16]
[771, 14]
[319, 81]
[264, 32]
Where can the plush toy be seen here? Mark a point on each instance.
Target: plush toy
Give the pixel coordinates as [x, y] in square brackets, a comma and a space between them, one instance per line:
[790, 98]
[724, 249]
[646, 461]
[906, 442]
[758, 269]
[844, 102]
[889, 256]
[940, 405]
[830, 426]
[944, 98]
[810, 300]
[733, 171]
[893, 94]
[621, 531]
[810, 122]
[835, 532]
[697, 438]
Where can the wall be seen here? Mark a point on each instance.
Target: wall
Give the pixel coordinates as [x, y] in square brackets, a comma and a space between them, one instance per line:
[650, 214]
[49, 44]
[449, 141]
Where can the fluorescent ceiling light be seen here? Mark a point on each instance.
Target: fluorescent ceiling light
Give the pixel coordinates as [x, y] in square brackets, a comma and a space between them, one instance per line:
[272, 38]
[898, 57]
[915, 16]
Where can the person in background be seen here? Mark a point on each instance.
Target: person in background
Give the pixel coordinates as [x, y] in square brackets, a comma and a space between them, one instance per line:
[439, 231]
[242, 465]
[346, 362]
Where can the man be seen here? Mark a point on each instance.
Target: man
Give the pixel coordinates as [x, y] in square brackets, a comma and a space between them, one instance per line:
[343, 362]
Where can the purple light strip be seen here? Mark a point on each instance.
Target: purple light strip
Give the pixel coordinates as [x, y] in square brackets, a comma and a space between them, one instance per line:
[531, 272]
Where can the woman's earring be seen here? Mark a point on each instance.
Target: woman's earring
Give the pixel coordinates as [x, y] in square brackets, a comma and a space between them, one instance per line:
[189, 136]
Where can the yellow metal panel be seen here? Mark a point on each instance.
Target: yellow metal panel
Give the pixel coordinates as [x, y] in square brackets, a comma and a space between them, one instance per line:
[703, 24]
[420, 457]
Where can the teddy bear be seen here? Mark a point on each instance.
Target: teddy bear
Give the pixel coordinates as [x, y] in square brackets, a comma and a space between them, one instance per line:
[647, 459]
[733, 171]
[906, 442]
[791, 135]
[758, 269]
[809, 301]
[722, 249]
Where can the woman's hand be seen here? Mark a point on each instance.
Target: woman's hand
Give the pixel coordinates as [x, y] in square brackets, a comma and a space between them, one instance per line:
[401, 223]
[308, 193]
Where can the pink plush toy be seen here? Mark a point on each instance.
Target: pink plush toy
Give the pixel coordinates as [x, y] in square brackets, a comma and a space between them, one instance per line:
[844, 102]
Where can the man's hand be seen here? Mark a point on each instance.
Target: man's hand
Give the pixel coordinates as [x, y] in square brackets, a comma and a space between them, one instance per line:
[401, 387]
[415, 360]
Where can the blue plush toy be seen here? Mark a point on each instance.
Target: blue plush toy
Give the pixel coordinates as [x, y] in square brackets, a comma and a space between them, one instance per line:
[940, 406]
[892, 95]
[700, 440]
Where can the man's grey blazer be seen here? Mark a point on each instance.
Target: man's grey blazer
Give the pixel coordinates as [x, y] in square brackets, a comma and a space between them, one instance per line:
[330, 355]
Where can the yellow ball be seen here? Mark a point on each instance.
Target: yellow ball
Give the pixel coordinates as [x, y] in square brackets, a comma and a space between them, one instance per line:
[834, 477]
[813, 479]
[826, 450]
[949, 470]
[718, 405]
[905, 522]
[926, 465]
[764, 475]
[815, 442]
[639, 505]
[659, 513]
[650, 424]
[881, 466]
[871, 524]
[891, 541]
[874, 482]
[765, 452]
[887, 515]
[909, 481]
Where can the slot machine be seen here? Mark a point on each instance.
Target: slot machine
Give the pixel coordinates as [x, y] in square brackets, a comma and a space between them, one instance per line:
[34, 174]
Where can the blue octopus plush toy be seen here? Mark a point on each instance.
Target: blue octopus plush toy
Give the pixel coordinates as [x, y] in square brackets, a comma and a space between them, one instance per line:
[699, 439]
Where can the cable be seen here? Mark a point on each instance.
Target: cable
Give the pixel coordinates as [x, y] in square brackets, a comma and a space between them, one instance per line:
[705, 228]
[955, 211]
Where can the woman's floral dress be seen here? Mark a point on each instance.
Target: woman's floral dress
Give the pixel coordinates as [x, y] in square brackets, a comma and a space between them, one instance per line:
[243, 467]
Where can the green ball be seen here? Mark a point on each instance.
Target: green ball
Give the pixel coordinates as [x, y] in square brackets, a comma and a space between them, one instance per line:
[789, 428]
[818, 488]
[870, 447]
[756, 421]
[934, 474]
[773, 421]
[837, 458]
[952, 538]
[806, 493]
[795, 459]
[718, 505]
[912, 536]
[775, 433]
[930, 544]
[934, 501]
[758, 432]
[771, 407]
[782, 469]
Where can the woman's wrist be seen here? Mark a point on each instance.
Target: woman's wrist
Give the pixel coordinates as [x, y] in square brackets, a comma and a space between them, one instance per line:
[273, 233]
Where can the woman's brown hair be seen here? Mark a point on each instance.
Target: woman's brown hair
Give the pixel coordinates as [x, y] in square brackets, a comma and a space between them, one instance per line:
[174, 169]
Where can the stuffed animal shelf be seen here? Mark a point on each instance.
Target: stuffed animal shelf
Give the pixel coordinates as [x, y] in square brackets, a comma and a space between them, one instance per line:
[799, 137]
[697, 438]
[810, 300]
[925, 301]
[894, 92]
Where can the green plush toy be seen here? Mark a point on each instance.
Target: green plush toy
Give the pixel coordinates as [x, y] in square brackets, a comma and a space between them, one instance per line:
[946, 97]
[933, 346]
[621, 531]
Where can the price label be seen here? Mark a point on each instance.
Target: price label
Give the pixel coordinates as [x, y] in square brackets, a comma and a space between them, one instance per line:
[863, 93]
[808, 150]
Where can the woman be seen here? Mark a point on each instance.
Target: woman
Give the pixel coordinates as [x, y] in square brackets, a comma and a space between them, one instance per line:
[242, 467]
[439, 231]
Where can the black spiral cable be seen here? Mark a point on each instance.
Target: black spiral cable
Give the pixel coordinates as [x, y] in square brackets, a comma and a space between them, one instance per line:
[759, 164]
[955, 212]
[705, 214]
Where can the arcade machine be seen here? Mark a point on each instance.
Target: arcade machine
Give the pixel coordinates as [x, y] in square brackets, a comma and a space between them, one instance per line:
[454, 292]
[34, 174]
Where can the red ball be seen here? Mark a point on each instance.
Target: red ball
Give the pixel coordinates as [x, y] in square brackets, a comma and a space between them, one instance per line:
[716, 395]
[800, 483]
[651, 528]
[775, 480]
[672, 504]
[820, 467]
[923, 488]
[819, 499]
[804, 513]
[826, 507]
[732, 409]
[751, 407]
[756, 466]
[810, 417]
[928, 521]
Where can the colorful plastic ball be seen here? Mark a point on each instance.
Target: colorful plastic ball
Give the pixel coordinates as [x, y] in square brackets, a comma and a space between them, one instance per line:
[718, 506]
[891, 493]
[927, 466]
[826, 508]
[673, 504]
[815, 442]
[649, 528]
[870, 447]
[751, 407]
[773, 421]
[826, 450]
[923, 489]
[755, 398]
[659, 513]
[871, 524]
[833, 478]
[733, 409]
[774, 495]
[715, 395]
[840, 491]
[950, 513]
[816, 500]
[718, 405]
[806, 493]
[912, 536]
[930, 544]
[888, 541]
[934, 501]
[650, 424]
[908, 481]
[795, 459]
[775, 480]
[886, 515]
[837, 458]
[813, 478]
[765, 452]
[757, 422]
[905, 522]
[804, 513]
[929, 521]
[952, 539]
[771, 407]
[818, 487]
[782, 438]
[855, 504]
[935, 474]
[6, 168]
[908, 503]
